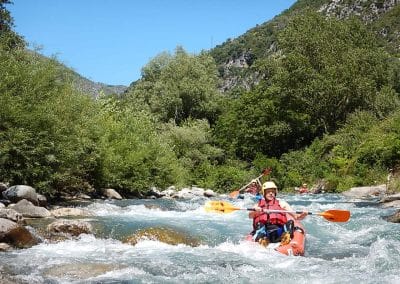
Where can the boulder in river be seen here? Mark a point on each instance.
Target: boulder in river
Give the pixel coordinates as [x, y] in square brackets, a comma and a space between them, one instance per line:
[19, 192]
[366, 191]
[69, 227]
[162, 234]
[27, 209]
[394, 218]
[15, 234]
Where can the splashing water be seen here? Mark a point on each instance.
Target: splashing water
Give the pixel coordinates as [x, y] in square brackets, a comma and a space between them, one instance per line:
[365, 249]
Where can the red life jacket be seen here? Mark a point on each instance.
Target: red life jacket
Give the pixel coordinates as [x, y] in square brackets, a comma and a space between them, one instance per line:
[270, 218]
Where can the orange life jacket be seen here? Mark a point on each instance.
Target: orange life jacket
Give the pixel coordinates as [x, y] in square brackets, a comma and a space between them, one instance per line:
[274, 218]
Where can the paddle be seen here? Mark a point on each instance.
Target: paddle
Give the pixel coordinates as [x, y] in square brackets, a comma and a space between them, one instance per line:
[333, 215]
[234, 194]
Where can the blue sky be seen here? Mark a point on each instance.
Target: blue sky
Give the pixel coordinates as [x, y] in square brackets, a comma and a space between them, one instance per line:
[109, 41]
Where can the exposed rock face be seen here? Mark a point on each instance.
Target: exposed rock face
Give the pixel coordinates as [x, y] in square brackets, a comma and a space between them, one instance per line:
[27, 209]
[367, 10]
[19, 192]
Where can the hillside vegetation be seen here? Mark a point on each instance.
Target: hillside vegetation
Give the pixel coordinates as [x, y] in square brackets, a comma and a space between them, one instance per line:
[316, 98]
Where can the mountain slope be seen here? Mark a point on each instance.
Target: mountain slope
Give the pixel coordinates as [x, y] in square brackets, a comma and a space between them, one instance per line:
[236, 56]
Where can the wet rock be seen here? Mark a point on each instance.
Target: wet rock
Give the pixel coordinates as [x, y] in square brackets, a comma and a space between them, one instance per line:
[170, 191]
[154, 207]
[82, 196]
[318, 187]
[12, 215]
[5, 202]
[16, 235]
[209, 193]
[111, 194]
[394, 203]
[390, 198]
[5, 247]
[80, 271]
[42, 200]
[154, 192]
[3, 186]
[63, 212]
[19, 192]
[69, 227]
[366, 191]
[198, 191]
[395, 218]
[162, 234]
[185, 193]
[27, 209]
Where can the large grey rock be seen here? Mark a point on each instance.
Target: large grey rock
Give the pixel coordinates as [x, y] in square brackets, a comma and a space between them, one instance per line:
[394, 218]
[111, 193]
[42, 200]
[62, 212]
[366, 191]
[16, 235]
[70, 227]
[18, 192]
[11, 214]
[394, 203]
[4, 247]
[3, 186]
[390, 198]
[27, 209]
[209, 193]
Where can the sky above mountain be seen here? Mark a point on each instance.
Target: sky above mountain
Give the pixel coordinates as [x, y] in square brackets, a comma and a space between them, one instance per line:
[109, 41]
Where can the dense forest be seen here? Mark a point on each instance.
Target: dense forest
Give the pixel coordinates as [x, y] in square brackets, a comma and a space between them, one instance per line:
[316, 99]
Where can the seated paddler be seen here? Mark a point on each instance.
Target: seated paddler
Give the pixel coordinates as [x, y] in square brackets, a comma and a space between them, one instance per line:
[272, 227]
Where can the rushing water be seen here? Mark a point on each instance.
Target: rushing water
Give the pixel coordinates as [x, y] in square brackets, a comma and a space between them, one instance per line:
[366, 249]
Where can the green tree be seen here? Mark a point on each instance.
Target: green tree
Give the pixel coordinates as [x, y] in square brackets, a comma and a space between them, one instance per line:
[8, 38]
[178, 87]
[44, 135]
[326, 69]
[331, 68]
[134, 157]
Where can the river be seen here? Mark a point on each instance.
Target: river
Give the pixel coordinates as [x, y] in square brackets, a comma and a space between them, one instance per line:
[366, 249]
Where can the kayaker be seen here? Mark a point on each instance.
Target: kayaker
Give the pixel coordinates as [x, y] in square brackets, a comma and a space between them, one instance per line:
[274, 226]
[255, 189]
[303, 188]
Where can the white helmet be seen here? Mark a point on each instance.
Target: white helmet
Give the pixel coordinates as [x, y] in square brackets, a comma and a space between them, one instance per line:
[269, 185]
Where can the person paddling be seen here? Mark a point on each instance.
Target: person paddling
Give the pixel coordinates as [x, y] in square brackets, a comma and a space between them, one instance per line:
[303, 188]
[272, 226]
[255, 189]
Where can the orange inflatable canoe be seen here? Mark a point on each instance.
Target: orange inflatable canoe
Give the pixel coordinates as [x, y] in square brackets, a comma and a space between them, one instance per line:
[296, 245]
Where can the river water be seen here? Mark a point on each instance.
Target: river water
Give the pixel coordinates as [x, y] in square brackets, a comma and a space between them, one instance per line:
[366, 249]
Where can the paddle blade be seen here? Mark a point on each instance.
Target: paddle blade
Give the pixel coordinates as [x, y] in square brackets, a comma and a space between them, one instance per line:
[266, 171]
[336, 215]
[219, 207]
[234, 194]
